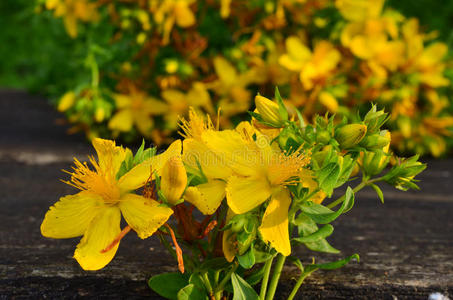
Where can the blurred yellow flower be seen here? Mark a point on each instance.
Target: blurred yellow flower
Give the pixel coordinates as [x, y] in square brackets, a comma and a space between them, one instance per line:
[314, 68]
[136, 109]
[168, 12]
[73, 10]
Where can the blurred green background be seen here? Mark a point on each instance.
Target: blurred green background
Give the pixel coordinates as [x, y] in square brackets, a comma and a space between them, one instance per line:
[36, 51]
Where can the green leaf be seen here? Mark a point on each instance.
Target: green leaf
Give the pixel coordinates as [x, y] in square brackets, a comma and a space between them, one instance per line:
[242, 290]
[378, 192]
[190, 292]
[296, 262]
[323, 232]
[281, 106]
[328, 177]
[247, 260]
[336, 264]
[323, 215]
[138, 155]
[321, 245]
[215, 263]
[168, 284]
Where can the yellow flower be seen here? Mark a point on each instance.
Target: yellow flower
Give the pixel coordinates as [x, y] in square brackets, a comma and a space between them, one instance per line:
[314, 67]
[260, 171]
[136, 109]
[231, 86]
[359, 10]
[179, 102]
[207, 196]
[168, 12]
[174, 179]
[73, 10]
[95, 212]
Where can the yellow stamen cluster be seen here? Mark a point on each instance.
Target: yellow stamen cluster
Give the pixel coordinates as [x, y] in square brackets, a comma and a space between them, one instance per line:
[195, 125]
[283, 167]
[99, 181]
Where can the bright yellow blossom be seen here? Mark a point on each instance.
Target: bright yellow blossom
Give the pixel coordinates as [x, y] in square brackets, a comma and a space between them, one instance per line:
[260, 171]
[95, 212]
[137, 109]
[197, 157]
[73, 10]
[314, 68]
[168, 12]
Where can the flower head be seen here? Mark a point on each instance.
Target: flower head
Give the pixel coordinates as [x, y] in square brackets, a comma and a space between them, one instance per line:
[95, 212]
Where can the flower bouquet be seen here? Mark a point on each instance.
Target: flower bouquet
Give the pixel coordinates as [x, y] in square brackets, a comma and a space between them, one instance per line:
[231, 205]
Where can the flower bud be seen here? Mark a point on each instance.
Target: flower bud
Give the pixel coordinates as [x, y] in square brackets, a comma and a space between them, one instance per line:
[67, 101]
[269, 111]
[376, 141]
[350, 135]
[173, 180]
[323, 137]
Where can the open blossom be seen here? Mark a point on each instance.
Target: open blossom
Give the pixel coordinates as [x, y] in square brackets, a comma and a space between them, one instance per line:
[95, 212]
[260, 171]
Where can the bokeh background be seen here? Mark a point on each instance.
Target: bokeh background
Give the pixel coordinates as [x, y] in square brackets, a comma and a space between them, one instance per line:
[97, 60]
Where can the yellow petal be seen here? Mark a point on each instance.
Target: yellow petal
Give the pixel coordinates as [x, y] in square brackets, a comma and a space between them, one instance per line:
[244, 194]
[184, 16]
[173, 180]
[71, 215]
[226, 72]
[196, 153]
[70, 23]
[139, 174]
[207, 197]
[328, 101]
[274, 228]
[110, 156]
[102, 231]
[145, 216]
[144, 123]
[297, 51]
[240, 155]
[121, 121]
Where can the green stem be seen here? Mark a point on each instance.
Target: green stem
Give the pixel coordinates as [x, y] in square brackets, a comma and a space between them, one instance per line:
[227, 277]
[275, 277]
[207, 284]
[355, 190]
[267, 271]
[298, 284]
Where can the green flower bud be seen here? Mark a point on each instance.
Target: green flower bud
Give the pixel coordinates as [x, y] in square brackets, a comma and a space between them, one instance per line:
[245, 239]
[375, 119]
[269, 111]
[350, 135]
[323, 137]
[376, 141]
[375, 162]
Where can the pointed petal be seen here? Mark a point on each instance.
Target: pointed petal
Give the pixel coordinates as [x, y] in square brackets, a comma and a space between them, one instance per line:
[196, 153]
[103, 229]
[121, 121]
[110, 156]
[71, 215]
[244, 194]
[137, 177]
[274, 227]
[240, 155]
[144, 215]
[207, 197]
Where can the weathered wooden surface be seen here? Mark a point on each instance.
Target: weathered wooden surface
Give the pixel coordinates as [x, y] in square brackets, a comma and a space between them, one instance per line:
[406, 245]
